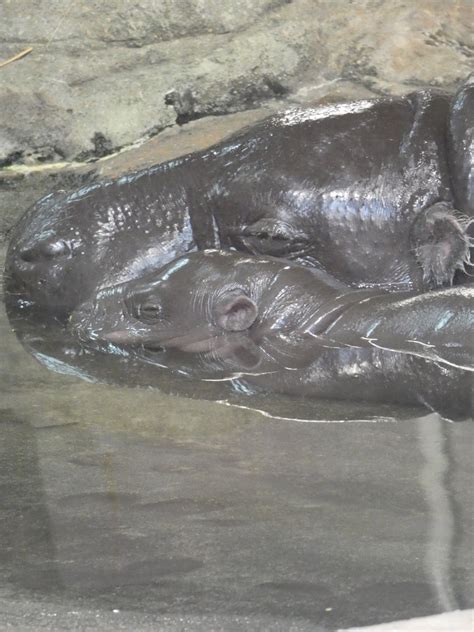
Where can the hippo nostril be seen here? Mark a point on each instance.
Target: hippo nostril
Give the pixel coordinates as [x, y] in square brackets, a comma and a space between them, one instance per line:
[153, 347]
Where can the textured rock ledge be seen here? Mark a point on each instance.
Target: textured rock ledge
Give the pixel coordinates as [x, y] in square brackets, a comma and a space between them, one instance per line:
[104, 73]
[107, 75]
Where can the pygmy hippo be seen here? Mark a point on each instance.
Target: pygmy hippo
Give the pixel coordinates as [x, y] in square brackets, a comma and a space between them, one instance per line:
[278, 326]
[377, 193]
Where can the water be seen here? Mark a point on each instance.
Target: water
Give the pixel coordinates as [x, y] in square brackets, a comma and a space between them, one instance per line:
[123, 507]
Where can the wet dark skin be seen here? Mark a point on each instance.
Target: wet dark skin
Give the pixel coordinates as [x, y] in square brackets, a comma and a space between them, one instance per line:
[376, 193]
[281, 327]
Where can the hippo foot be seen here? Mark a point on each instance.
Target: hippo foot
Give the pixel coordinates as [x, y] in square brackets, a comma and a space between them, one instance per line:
[442, 244]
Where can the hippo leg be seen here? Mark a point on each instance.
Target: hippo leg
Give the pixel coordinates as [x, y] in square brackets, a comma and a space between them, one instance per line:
[441, 244]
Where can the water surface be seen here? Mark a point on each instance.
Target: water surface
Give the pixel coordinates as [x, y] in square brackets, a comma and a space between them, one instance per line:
[119, 500]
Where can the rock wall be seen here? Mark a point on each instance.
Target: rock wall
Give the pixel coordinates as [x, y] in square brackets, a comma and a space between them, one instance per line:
[105, 73]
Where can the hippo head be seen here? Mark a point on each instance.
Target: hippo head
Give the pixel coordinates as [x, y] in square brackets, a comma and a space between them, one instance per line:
[53, 259]
[204, 303]
[38, 265]
[69, 245]
[213, 305]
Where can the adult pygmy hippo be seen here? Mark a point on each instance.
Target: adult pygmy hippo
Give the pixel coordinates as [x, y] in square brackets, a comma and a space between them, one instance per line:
[377, 193]
[291, 329]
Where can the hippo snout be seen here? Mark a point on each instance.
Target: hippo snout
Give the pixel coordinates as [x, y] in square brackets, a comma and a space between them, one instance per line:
[81, 321]
[84, 311]
[94, 318]
[98, 318]
[37, 269]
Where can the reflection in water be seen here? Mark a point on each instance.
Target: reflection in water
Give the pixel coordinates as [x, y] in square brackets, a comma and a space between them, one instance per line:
[132, 498]
[58, 351]
[441, 525]
[274, 415]
[25, 521]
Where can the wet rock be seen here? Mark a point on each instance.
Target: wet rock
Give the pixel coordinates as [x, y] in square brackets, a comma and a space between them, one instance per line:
[106, 75]
[21, 187]
[106, 67]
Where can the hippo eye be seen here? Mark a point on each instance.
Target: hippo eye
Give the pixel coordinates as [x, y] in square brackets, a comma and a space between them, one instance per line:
[45, 250]
[149, 311]
[269, 230]
[270, 236]
[276, 236]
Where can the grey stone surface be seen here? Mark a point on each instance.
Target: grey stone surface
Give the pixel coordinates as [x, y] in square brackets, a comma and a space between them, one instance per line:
[460, 620]
[104, 73]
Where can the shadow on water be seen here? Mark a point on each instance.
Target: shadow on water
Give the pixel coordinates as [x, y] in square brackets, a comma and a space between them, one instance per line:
[116, 495]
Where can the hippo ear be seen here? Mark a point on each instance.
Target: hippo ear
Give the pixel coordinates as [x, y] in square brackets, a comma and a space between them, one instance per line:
[238, 353]
[235, 312]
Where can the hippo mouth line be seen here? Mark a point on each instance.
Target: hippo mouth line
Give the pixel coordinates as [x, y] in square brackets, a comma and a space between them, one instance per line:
[214, 347]
[189, 343]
